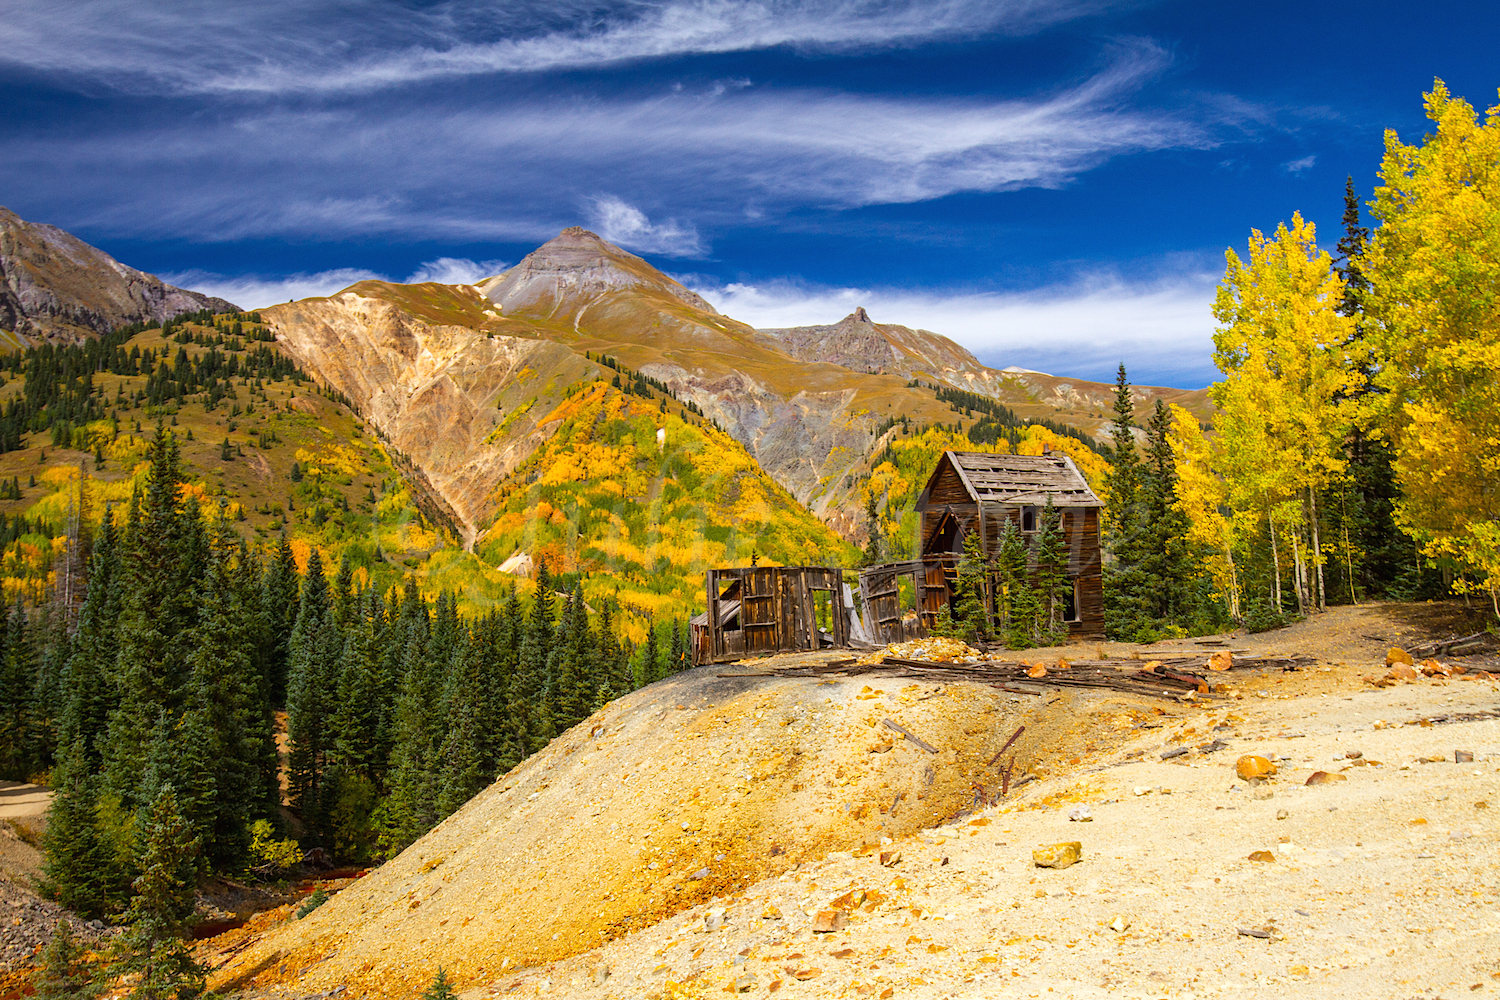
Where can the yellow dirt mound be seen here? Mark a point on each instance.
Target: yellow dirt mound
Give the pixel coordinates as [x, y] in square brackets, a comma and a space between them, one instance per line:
[691, 788]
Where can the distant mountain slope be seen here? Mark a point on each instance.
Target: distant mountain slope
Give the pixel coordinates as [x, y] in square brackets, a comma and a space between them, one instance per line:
[456, 377]
[54, 286]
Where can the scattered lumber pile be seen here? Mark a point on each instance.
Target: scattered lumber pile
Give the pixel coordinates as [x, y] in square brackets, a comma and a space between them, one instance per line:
[1468, 645]
[1164, 675]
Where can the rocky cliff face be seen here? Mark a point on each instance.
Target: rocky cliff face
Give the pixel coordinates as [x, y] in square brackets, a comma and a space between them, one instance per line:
[431, 373]
[54, 286]
[859, 343]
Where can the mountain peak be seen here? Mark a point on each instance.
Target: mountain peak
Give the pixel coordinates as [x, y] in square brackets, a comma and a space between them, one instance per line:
[54, 285]
[577, 265]
[859, 316]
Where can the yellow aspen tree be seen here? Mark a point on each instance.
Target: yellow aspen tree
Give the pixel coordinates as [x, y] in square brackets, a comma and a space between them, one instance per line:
[1201, 497]
[1283, 413]
[1434, 313]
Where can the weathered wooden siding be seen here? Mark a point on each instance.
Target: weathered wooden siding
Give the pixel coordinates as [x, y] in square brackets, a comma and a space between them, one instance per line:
[777, 611]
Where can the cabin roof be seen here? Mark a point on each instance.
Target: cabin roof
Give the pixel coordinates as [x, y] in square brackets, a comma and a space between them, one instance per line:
[1021, 479]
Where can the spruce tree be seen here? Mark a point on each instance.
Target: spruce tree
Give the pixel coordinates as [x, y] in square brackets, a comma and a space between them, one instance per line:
[461, 773]
[17, 684]
[311, 688]
[154, 948]
[161, 573]
[649, 669]
[64, 973]
[1126, 597]
[1051, 560]
[80, 870]
[226, 712]
[279, 605]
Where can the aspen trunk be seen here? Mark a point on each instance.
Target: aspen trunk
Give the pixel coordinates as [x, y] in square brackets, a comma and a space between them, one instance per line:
[1312, 506]
[1299, 575]
[1275, 559]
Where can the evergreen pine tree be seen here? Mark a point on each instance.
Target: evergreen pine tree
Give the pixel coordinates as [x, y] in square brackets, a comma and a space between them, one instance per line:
[88, 694]
[64, 974]
[279, 605]
[80, 870]
[154, 948]
[648, 670]
[1125, 589]
[441, 987]
[17, 682]
[532, 681]
[316, 648]
[1051, 559]
[162, 569]
[676, 649]
[461, 773]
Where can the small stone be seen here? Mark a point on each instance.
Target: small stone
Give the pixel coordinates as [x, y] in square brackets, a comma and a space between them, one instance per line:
[1298, 970]
[1220, 660]
[744, 984]
[1262, 856]
[714, 919]
[1463, 757]
[1282, 814]
[1403, 672]
[1058, 855]
[1354, 754]
[1397, 655]
[828, 922]
[701, 873]
[803, 975]
[1255, 932]
[1263, 793]
[1037, 671]
[1142, 789]
[1174, 752]
[1080, 814]
[770, 913]
[1120, 925]
[889, 858]
[1325, 778]
[1252, 767]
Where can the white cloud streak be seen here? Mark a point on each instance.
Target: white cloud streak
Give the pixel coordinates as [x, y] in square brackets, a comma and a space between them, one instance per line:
[1163, 331]
[275, 46]
[440, 173]
[253, 291]
[621, 222]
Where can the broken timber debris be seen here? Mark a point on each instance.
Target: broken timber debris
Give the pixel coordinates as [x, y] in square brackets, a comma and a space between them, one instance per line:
[897, 727]
[1124, 675]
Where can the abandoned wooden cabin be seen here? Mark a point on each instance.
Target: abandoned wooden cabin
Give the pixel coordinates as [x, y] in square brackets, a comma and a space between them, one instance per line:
[758, 610]
[973, 491]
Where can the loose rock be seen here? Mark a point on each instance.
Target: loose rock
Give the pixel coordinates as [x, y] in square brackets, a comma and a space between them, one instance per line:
[1252, 767]
[1080, 814]
[1397, 655]
[1325, 778]
[1463, 757]
[1262, 856]
[828, 922]
[1058, 855]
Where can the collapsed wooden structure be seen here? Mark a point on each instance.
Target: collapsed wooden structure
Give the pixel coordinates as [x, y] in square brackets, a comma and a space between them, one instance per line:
[770, 609]
[759, 610]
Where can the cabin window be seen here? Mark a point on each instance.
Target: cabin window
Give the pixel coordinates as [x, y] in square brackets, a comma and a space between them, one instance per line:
[1070, 602]
[1028, 518]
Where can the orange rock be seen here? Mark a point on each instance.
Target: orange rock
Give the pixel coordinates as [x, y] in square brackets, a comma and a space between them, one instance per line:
[1252, 767]
[1398, 655]
[1221, 660]
[1037, 671]
[1432, 668]
[1262, 856]
[1403, 672]
[828, 922]
[1325, 778]
[1062, 665]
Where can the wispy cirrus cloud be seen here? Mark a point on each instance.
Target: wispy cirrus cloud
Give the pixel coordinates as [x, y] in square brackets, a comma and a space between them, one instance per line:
[278, 47]
[1082, 328]
[252, 291]
[524, 170]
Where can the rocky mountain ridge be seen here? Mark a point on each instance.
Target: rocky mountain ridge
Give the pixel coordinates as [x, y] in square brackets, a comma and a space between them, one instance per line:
[54, 286]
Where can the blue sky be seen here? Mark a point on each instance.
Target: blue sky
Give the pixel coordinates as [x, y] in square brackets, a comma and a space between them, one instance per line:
[1052, 184]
